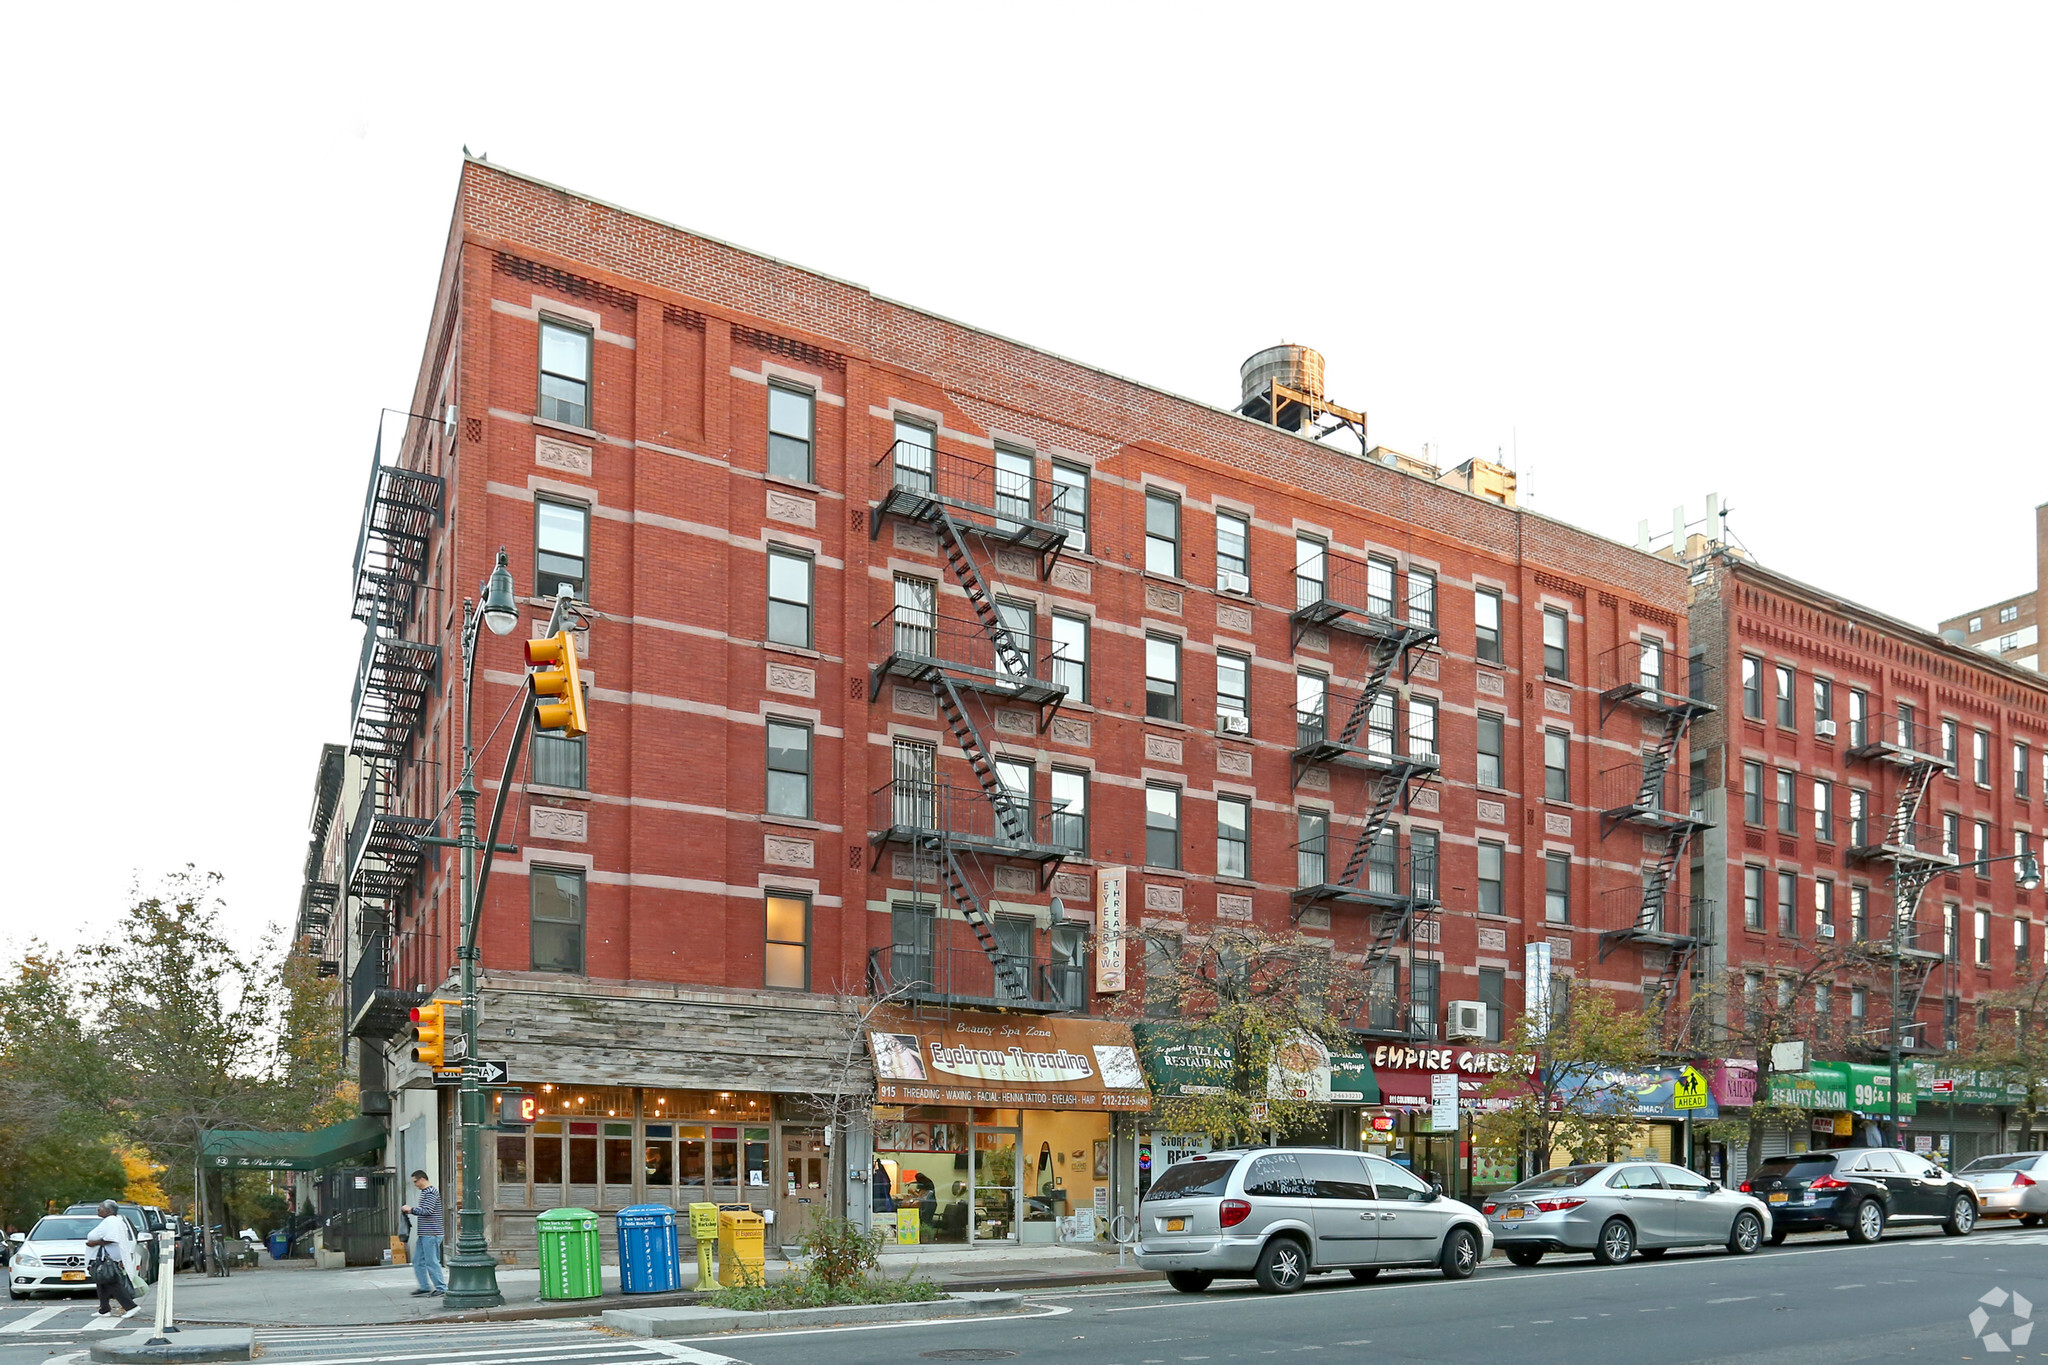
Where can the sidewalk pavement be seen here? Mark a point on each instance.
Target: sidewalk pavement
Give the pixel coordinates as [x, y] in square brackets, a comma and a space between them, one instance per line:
[295, 1294]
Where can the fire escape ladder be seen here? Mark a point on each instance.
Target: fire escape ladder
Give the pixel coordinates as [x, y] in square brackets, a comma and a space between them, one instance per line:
[1386, 933]
[1384, 653]
[969, 739]
[953, 544]
[1657, 761]
[1377, 819]
[976, 914]
[1913, 785]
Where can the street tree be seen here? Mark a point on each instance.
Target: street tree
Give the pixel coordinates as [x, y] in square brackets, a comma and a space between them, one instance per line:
[1572, 1077]
[2015, 1047]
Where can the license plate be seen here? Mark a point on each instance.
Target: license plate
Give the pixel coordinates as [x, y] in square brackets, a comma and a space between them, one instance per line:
[72, 1275]
[1176, 1225]
[1510, 1215]
[1780, 1198]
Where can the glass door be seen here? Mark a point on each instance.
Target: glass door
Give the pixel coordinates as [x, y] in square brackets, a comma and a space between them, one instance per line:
[994, 1177]
[725, 1165]
[691, 1167]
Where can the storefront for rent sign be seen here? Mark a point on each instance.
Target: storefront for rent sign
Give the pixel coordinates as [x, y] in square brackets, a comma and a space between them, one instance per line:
[1006, 1060]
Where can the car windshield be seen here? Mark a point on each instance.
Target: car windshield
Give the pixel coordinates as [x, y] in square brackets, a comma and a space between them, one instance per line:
[1796, 1167]
[1190, 1178]
[1563, 1178]
[2023, 1162]
[62, 1229]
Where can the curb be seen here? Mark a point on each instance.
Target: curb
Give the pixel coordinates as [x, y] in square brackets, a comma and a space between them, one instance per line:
[234, 1343]
[679, 1322]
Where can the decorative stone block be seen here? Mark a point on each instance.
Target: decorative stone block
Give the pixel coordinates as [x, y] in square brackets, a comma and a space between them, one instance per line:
[783, 851]
[1164, 896]
[1557, 699]
[922, 539]
[1014, 722]
[549, 453]
[908, 867]
[1234, 761]
[1162, 599]
[1424, 799]
[1315, 917]
[1315, 780]
[1429, 931]
[911, 702]
[1074, 885]
[1492, 939]
[1493, 812]
[1560, 947]
[1230, 616]
[797, 682]
[1067, 730]
[1319, 641]
[1558, 824]
[1427, 669]
[1072, 578]
[1490, 684]
[1163, 749]
[791, 508]
[557, 822]
[1016, 880]
[1016, 564]
[1233, 907]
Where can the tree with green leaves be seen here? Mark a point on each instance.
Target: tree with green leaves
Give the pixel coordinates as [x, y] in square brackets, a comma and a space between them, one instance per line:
[2015, 1047]
[54, 1144]
[1572, 1077]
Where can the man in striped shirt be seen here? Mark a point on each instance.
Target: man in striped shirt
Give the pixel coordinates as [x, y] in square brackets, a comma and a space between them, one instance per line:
[426, 1237]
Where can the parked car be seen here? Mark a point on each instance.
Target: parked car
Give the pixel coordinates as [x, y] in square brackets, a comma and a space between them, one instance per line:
[1281, 1214]
[1617, 1210]
[145, 1222]
[2013, 1184]
[52, 1258]
[1861, 1190]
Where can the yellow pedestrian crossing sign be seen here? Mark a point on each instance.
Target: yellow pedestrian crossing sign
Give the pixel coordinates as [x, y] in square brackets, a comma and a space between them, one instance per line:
[1689, 1091]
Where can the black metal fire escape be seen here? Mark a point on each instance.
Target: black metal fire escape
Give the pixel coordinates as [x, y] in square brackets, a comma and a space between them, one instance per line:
[1914, 851]
[962, 501]
[1399, 887]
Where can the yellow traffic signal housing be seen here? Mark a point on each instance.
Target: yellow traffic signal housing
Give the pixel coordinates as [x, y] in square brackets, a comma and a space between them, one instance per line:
[556, 676]
[430, 1033]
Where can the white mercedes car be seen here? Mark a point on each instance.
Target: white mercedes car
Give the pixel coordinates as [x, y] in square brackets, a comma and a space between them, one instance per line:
[52, 1258]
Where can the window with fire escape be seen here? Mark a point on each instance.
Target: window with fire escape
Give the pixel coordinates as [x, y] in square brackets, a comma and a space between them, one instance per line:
[1311, 571]
[1070, 503]
[1070, 810]
[1070, 658]
[1312, 847]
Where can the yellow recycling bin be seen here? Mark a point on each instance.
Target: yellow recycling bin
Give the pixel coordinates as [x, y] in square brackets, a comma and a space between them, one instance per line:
[741, 1257]
[704, 1227]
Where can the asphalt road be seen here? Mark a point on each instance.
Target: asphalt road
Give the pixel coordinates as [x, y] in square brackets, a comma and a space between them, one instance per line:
[1814, 1302]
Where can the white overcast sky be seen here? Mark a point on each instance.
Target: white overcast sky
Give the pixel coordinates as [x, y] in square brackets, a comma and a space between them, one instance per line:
[1792, 254]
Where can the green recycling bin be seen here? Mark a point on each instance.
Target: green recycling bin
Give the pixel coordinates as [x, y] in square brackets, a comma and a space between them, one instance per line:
[569, 1265]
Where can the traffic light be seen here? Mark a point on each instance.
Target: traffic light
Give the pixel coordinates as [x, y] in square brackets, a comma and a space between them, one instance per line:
[430, 1033]
[553, 658]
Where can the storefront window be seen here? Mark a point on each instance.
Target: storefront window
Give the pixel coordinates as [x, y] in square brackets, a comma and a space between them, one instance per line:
[547, 1152]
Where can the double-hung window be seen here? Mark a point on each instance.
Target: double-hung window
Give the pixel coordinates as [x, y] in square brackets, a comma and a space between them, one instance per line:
[1951, 742]
[1423, 860]
[1312, 851]
[1233, 684]
[1014, 776]
[1785, 684]
[916, 457]
[1422, 599]
[913, 934]
[1492, 878]
[1070, 503]
[1859, 913]
[1859, 818]
[917, 618]
[1557, 888]
[1162, 677]
[1788, 904]
[1379, 586]
[1016, 489]
[1070, 810]
[1752, 792]
[1824, 905]
[1493, 993]
[1859, 717]
[1982, 938]
[1020, 624]
[1422, 713]
[1556, 633]
[564, 374]
[1233, 836]
[561, 548]
[789, 597]
[1788, 810]
[1557, 781]
[1823, 702]
[1752, 687]
[1491, 740]
[1752, 897]
[1162, 826]
[2022, 785]
[556, 919]
[1650, 662]
[1980, 754]
[789, 768]
[791, 413]
[1980, 840]
[1486, 625]
[1311, 571]
[2022, 946]
[1952, 834]
[786, 961]
[1162, 534]
[558, 761]
[1823, 810]
[1070, 657]
[1233, 552]
[1311, 708]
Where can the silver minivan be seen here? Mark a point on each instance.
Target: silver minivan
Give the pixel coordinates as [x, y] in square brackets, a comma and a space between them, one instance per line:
[1281, 1214]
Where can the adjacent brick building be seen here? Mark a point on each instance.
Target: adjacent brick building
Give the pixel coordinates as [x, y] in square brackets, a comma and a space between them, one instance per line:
[900, 628]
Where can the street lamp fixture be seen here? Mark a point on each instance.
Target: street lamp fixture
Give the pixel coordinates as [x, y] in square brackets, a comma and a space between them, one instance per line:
[2027, 870]
[501, 607]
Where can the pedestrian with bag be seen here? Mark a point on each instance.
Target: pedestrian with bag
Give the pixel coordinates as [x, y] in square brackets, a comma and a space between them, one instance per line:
[426, 1237]
[114, 1259]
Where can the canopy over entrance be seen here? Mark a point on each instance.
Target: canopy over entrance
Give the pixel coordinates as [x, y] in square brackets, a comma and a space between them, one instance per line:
[315, 1151]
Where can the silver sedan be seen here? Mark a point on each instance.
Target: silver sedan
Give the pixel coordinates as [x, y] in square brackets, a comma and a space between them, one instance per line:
[1616, 1210]
[2012, 1185]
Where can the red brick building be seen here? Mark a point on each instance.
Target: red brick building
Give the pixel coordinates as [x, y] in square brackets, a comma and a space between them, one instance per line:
[902, 630]
[1847, 745]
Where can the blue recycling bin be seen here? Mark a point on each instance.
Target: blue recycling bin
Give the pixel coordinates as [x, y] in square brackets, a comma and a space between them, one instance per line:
[650, 1249]
[280, 1245]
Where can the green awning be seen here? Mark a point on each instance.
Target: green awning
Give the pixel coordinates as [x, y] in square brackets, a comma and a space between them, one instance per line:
[1188, 1059]
[315, 1151]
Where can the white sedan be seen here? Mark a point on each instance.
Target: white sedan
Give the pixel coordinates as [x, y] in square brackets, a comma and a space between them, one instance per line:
[52, 1258]
[2011, 1185]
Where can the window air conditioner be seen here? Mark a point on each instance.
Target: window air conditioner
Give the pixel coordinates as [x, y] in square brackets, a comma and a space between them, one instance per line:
[1824, 728]
[1467, 1020]
[1232, 723]
[1227, 581]
[1825, 931]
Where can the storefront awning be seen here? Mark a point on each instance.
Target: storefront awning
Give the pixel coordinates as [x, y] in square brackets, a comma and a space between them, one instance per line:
[1006, 1061]
[1182, 1059]
[1649, 1092]
[314, 1151]
[1844, 1086]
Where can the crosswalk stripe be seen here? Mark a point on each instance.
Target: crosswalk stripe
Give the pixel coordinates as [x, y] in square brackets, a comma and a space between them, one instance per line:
[413, 1329]
[508, 1355]
[28, 1323]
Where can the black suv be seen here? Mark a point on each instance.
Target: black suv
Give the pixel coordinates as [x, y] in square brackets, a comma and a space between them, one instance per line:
[1860, 1190]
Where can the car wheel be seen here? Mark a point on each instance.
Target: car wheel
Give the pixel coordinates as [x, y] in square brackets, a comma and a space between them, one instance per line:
[2030, 1220]
[1653, 1253]
[1962, 1216]
[1365, 1274]
[1283, 1265]
[1867, 1224]
[1461, 1255]
[1524, 1255]
[1778, 1235]
[1747, 1234]
[1617, 1242]
[1190, 1281]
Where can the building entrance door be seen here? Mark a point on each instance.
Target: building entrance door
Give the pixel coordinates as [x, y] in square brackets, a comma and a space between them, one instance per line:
[994, 1176]
[805, 1198]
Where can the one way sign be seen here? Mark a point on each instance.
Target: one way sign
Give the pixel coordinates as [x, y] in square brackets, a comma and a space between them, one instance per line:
[486, 1070]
